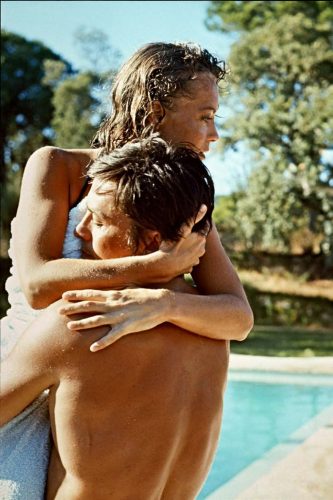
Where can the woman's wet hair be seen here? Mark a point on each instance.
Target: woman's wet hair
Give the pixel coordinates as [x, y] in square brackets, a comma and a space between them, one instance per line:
[156, 72]
[160, 187]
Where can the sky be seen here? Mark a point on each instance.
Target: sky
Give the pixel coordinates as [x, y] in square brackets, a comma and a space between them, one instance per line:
[129, 25]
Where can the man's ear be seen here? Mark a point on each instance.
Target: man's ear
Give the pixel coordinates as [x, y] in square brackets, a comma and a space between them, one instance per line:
[150, 241]
[157, 112]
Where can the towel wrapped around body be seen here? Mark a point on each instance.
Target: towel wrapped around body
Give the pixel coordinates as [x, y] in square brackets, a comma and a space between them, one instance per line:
[25, 440]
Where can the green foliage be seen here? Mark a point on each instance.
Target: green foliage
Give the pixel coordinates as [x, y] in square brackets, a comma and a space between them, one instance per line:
[76, 100]
[282, 75]
[289, 309]
[54, 72]
[9, 199]
[269, 212]
[226, 220]
[75, 108]
[44, 101]
[246, 16]
[283, 341]
[224, 209]
[27, 109]
[25, 100]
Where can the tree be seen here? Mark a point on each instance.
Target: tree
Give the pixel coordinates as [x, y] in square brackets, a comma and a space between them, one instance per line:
[282, 76]
[26, 110]
[44, 101]
[75, 111]
[243, 16]
[77, 100]
[26, 102]
[225, 219]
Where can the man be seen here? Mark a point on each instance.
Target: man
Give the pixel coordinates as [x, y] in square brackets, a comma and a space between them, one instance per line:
[141, 419]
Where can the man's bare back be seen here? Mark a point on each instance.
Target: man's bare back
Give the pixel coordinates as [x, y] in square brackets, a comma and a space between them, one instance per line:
[140, 420]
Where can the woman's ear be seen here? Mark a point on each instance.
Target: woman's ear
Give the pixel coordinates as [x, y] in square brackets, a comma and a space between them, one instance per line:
[157, 112]
[149, 241]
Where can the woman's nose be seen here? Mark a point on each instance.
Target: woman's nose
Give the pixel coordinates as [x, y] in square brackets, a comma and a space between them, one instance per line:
[213, 132]
[82, 230]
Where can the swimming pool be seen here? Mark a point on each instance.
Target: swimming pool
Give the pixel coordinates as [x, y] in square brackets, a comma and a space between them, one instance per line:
[262, 410]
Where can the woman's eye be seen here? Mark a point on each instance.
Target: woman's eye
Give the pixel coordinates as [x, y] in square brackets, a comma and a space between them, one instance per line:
[208, 118]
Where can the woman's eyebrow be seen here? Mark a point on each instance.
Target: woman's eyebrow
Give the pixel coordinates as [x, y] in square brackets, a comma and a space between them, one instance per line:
[208, 108]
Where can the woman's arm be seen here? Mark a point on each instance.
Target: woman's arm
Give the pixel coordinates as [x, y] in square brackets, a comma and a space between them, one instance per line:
[51, 183]
[219, 309]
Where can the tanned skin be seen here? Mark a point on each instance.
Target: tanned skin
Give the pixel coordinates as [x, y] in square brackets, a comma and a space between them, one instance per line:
[138, 420]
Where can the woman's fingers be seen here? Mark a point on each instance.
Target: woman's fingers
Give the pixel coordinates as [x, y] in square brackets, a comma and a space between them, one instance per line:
[83, 307]
[98, 295]
[187, 228]
[90, 322]
[116, 333]
[201, 213]
[125, 311]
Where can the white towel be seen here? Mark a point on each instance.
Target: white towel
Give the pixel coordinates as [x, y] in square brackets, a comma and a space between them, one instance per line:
[25, 440]
[24, 453]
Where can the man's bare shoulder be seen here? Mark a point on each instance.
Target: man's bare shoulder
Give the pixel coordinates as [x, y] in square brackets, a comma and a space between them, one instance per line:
[56, 341]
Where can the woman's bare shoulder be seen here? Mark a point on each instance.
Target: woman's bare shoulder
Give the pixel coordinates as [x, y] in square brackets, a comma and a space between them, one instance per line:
[60, 158]
[58, 169]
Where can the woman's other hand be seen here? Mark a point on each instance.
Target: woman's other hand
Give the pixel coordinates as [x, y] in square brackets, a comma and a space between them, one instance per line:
[177, 258]
[125, 311]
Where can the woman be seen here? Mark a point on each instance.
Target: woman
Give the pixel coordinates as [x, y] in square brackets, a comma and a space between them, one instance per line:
[166, 88]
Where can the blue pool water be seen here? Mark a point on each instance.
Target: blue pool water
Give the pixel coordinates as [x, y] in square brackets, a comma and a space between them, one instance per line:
[258, 415]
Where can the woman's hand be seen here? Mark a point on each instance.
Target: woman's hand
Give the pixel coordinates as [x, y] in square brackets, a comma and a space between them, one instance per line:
[177, 258]
[126, 311]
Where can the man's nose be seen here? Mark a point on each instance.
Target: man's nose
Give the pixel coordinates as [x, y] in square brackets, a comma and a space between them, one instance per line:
[82, 230]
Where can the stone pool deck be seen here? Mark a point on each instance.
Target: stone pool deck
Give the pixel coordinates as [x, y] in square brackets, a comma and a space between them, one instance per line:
[299, 470]
[306, 473]
[312, 365]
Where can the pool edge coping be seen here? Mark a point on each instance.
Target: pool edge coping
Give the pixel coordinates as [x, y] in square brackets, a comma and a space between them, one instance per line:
[248, 476]
[311, 365]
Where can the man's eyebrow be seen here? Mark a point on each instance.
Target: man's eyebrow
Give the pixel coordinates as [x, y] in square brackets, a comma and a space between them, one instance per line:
[89, 209]
[101, 215]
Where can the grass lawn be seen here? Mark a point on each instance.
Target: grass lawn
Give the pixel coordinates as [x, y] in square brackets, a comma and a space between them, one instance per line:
[285, 341]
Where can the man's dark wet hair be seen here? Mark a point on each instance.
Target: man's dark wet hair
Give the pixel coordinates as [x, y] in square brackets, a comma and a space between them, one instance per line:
[160, 187]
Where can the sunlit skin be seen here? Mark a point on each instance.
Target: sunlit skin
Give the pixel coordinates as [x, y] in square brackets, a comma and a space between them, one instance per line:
[52, 182]
[60, 172]
[104, 230]
[191, 118]
[140, 420]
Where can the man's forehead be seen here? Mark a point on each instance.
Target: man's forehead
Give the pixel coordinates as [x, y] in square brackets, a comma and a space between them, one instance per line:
[99, 186]
[101, 197]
